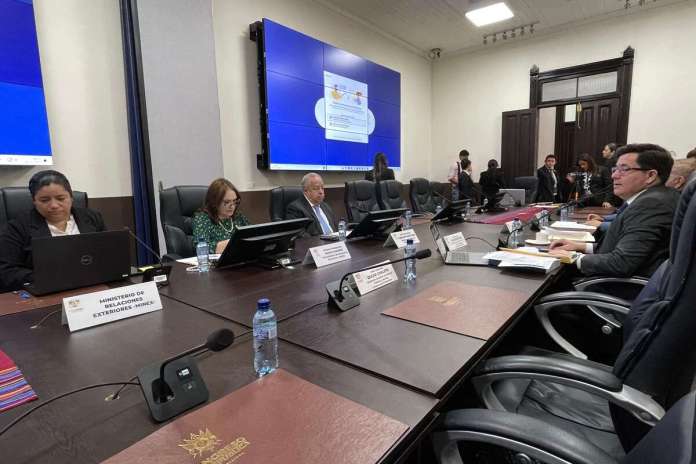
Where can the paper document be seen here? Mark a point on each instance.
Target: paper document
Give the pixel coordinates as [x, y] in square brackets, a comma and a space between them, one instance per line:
[572, 226]
[512, 260]
[193, 260]
[555, 234]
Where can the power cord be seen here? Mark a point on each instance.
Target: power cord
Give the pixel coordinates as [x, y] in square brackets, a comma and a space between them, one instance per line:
[43, 319]
[481, 239]
[63, 395]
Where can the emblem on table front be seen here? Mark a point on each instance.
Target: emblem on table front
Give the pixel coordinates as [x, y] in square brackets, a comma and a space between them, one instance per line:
[451, 301]
[200, 443]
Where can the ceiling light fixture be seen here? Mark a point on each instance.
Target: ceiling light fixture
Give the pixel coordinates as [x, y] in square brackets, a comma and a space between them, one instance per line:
[489, 14]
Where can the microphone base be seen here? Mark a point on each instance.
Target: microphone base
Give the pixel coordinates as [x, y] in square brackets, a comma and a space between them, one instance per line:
[350, 298]
[186, 388]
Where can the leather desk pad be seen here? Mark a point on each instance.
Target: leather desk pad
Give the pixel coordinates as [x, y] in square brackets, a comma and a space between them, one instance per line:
[277, 419]
[471, 310]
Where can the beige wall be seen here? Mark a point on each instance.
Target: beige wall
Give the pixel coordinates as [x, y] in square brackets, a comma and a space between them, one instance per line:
[471, 91]
[237, 84]
[82, 67]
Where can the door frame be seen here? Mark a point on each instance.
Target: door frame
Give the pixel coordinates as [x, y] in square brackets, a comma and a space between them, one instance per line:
[623, 66]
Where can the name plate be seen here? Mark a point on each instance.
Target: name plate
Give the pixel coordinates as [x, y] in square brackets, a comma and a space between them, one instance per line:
[510, 226]
[455, 241]
[373, 279]
[399, 238]
[90, 309]
[327, 254]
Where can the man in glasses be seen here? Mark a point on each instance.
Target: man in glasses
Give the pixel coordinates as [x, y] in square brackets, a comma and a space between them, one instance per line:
[638, 240]
[312, 206]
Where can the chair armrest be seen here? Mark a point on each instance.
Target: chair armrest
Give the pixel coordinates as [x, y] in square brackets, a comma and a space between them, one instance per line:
[584, 375]
[522, 434]
[595, 302]
[584, 283]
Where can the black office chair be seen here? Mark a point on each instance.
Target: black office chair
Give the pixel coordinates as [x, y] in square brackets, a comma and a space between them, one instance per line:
[390, 194]
[360, 197]
[503, 437]
[422, 198]
[529, 184]
[16, 200]
[655, 367]
[177, 207]
[281, 197]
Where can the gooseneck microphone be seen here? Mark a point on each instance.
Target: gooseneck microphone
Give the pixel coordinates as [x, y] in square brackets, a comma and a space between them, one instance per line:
[159, 273]
[344, 298]
[175, 385]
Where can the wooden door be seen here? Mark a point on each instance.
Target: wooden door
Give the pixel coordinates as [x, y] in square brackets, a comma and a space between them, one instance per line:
[519, 141]
[597, 125]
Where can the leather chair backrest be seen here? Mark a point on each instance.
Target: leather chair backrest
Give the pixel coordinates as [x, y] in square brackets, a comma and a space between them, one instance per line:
[177, 207]
[440, 191]
[281, 197]
[360, 196]
[672, 439]
[421, 196]
[529, 184]
[390, 194]
[658, 355]
[17, 200]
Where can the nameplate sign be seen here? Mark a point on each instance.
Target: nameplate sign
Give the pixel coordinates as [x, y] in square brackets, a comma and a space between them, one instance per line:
[399, 238]
[510, 225]
[88, 310]
[327, 254]
[373, 279]
[455, 241]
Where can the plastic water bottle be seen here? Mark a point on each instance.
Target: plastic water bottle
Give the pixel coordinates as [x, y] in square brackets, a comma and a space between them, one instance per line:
[265, 338]
[410, 271]
[467, 210]
[564, 213]
[342, 230]
[438, 209]
[407, 220]
[516, 234]
[202, 255]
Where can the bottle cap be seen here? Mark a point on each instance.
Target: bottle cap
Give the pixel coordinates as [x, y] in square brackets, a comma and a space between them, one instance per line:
[263, 303]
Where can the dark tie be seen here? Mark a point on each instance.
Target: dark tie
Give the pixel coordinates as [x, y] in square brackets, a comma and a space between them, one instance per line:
[621, 208]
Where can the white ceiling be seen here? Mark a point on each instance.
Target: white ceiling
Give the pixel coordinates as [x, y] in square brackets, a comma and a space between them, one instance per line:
[426, 24]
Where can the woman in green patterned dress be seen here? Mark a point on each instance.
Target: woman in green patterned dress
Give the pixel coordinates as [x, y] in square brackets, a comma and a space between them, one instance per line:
[216, 221]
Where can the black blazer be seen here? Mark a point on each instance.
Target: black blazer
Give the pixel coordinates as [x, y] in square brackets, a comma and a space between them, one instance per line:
[545, 185]
[491, 181]
[387, 174]
[637, 241]
[466, 187]
[15, 243]
[598, 182]
[300, 209]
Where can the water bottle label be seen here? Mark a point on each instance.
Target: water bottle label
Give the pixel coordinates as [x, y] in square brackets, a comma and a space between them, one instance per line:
[265, 333]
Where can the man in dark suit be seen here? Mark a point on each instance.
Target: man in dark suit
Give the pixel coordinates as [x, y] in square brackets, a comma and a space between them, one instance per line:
[312, 206]
[467, 190]
[637, 241]
[549, 185]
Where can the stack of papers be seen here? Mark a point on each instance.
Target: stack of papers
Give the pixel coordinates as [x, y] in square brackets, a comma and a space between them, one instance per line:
[555, 234]
[523, 261]
[573, 226]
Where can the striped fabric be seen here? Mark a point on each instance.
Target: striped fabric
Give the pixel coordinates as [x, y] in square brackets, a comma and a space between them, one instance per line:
[14, 389]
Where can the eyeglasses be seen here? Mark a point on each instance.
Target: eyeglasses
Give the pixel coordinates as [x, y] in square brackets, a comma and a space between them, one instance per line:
[234, 202]
[624, 169]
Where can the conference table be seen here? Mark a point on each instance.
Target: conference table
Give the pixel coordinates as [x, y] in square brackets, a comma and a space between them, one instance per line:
[402, 369]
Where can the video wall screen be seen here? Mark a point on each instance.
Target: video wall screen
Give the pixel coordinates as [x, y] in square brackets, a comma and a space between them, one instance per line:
[24, 136]
[326, 109]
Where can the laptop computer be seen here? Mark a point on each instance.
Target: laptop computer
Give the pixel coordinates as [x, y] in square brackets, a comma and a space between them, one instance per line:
[74, 261]
[458, 257]
[514, 197]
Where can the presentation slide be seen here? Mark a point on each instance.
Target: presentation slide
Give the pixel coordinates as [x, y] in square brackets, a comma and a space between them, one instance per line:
[327, 109]
[24, 137]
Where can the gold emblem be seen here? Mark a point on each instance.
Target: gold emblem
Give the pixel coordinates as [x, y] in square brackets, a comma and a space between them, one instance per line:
[197, 444]
[445, 301]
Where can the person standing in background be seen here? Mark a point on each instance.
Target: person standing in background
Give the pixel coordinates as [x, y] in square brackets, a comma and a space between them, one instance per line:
[609, 155]
[548, 187]
[591, 183]
[466, 183]
[455, 171]
[380, 170]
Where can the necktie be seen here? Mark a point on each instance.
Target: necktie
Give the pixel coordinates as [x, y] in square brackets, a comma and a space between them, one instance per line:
[325, 227]
[621, 208]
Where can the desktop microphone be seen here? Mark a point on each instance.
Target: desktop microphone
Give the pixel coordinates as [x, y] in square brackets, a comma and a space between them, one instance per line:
[344, 298]
[159, 272]
[181, 387]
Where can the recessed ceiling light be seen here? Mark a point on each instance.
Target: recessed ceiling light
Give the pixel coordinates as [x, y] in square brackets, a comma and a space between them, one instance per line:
[489, 14]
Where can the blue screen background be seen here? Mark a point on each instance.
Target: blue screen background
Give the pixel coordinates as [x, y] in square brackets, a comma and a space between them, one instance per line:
[23, 120]
[295, 65]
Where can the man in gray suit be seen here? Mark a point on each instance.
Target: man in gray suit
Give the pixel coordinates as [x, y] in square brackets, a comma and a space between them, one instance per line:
[312, 206]
[637, 241]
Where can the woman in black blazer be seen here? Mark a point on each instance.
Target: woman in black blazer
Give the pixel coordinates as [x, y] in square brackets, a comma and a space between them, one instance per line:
[53, 214]
[591, 183]
[380, 171]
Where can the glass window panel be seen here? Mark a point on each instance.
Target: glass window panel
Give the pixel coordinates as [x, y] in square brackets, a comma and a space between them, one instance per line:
[559, 90]
[598, 84]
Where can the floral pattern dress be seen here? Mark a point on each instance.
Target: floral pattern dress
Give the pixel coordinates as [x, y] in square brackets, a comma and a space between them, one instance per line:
[204, 229]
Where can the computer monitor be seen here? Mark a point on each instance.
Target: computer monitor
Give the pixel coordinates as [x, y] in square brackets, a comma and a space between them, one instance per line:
[452, 210]
[266, 243]
[377, 223]
[74, 261]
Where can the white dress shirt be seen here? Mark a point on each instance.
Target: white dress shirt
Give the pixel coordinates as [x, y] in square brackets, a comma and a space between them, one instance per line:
[70, 228]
